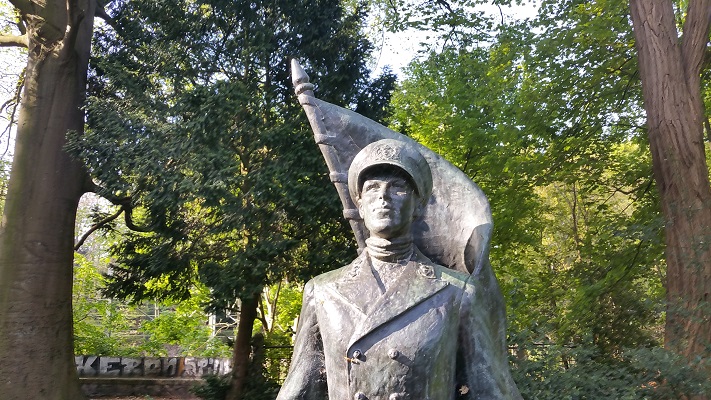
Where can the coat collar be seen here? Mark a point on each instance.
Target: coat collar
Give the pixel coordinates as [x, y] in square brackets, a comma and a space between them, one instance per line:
[419, 281]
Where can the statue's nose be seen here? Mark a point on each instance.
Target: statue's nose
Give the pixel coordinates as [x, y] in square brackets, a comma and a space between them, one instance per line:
[384, 193]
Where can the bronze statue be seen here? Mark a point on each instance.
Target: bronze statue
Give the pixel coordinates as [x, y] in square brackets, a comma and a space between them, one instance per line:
[396, 323]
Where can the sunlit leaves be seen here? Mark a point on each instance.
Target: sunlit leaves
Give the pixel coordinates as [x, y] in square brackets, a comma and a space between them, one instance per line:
[547, 119]
[192, 116]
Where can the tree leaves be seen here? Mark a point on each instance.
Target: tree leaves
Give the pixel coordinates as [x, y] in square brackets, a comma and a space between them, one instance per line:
[192, 115]
[547, 120]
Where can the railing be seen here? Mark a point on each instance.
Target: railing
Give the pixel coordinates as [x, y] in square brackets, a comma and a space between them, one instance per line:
[276, 362]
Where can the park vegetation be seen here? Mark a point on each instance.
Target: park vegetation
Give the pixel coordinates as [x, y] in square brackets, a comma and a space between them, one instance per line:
[584, 124]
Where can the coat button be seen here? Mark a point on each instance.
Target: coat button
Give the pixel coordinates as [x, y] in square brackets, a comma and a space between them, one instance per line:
[392, 353]
[360, 396]
[357, 353]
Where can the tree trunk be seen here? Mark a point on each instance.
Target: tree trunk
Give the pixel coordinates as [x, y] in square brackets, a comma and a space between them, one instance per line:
[37, 233]
[242, 347]
[670, 74]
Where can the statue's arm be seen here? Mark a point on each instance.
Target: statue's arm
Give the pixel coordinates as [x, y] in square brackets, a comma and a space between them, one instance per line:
[306, 379]
[483, 370]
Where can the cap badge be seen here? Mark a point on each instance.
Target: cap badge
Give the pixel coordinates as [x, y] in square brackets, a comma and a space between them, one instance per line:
[386, 152]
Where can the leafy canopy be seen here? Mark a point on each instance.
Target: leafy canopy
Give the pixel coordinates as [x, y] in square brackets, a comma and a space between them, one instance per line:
[192, 121]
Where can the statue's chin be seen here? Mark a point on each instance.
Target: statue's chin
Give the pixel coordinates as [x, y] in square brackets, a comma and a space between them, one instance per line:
[386, 229]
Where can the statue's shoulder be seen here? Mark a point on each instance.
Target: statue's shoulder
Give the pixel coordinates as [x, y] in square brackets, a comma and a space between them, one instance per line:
[338, 274]
[453, 276]
[429, 268]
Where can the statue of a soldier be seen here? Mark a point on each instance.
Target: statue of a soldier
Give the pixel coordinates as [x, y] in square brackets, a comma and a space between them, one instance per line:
[418, 314]
[392, 324]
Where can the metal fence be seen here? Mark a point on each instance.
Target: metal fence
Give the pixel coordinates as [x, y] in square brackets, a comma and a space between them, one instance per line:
[276, 362]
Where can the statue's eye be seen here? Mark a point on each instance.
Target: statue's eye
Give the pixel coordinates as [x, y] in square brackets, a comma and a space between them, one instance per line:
[370, 186]
[400, 185]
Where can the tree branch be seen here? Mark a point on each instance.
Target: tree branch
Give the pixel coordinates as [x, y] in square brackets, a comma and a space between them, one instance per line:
[466, 159]
[75, 16]
[97, 226]
[21, 25]
[274, 306]
[695, 36]
[14, 41]
[115, 200]
[445, 4]
[128, 218]
[24, 6]
[126, 204]
[101, 13]
[14, 103]
[261, 316]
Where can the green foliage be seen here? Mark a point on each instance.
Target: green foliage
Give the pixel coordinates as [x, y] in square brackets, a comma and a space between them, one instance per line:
[214, 387]
[546, 370]
[105, 326]
[194, 129]
[261, 382]
[98, 323]
[600, 255]
[548, 120]
[552, 371]
[183, 329]
[265, 390]
[192, 118]
[280, 305]
[447, 23]
[663, 374]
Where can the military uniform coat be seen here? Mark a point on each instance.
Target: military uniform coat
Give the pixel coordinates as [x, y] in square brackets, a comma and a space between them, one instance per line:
[418, 341]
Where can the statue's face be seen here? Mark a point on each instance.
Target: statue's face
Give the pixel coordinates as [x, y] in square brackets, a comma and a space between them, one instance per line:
[387, 204]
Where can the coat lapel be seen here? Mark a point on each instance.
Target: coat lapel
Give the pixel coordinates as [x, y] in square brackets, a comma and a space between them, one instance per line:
[357, 286]
[417, 283]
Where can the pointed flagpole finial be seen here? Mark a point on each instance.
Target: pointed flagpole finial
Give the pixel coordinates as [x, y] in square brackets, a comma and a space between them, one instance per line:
[300, 79]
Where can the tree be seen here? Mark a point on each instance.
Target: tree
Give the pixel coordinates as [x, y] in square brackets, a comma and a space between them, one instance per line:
[36, 244]
[194, 130]
[585, 96]
[106, 326]
[557, 151]
[545, 119]
[670, 71]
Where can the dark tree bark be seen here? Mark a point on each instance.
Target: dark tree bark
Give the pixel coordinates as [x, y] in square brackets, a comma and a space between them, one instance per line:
[670, 72]
[242, 347]
[37, 235]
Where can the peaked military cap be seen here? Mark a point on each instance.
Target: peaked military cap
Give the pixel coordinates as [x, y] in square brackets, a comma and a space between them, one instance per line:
[395, 153]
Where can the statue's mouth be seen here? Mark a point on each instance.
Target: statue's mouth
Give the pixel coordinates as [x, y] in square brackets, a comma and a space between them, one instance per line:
[384, 211]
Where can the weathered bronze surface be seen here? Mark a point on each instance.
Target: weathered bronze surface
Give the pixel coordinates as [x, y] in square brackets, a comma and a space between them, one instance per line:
[418, 314]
